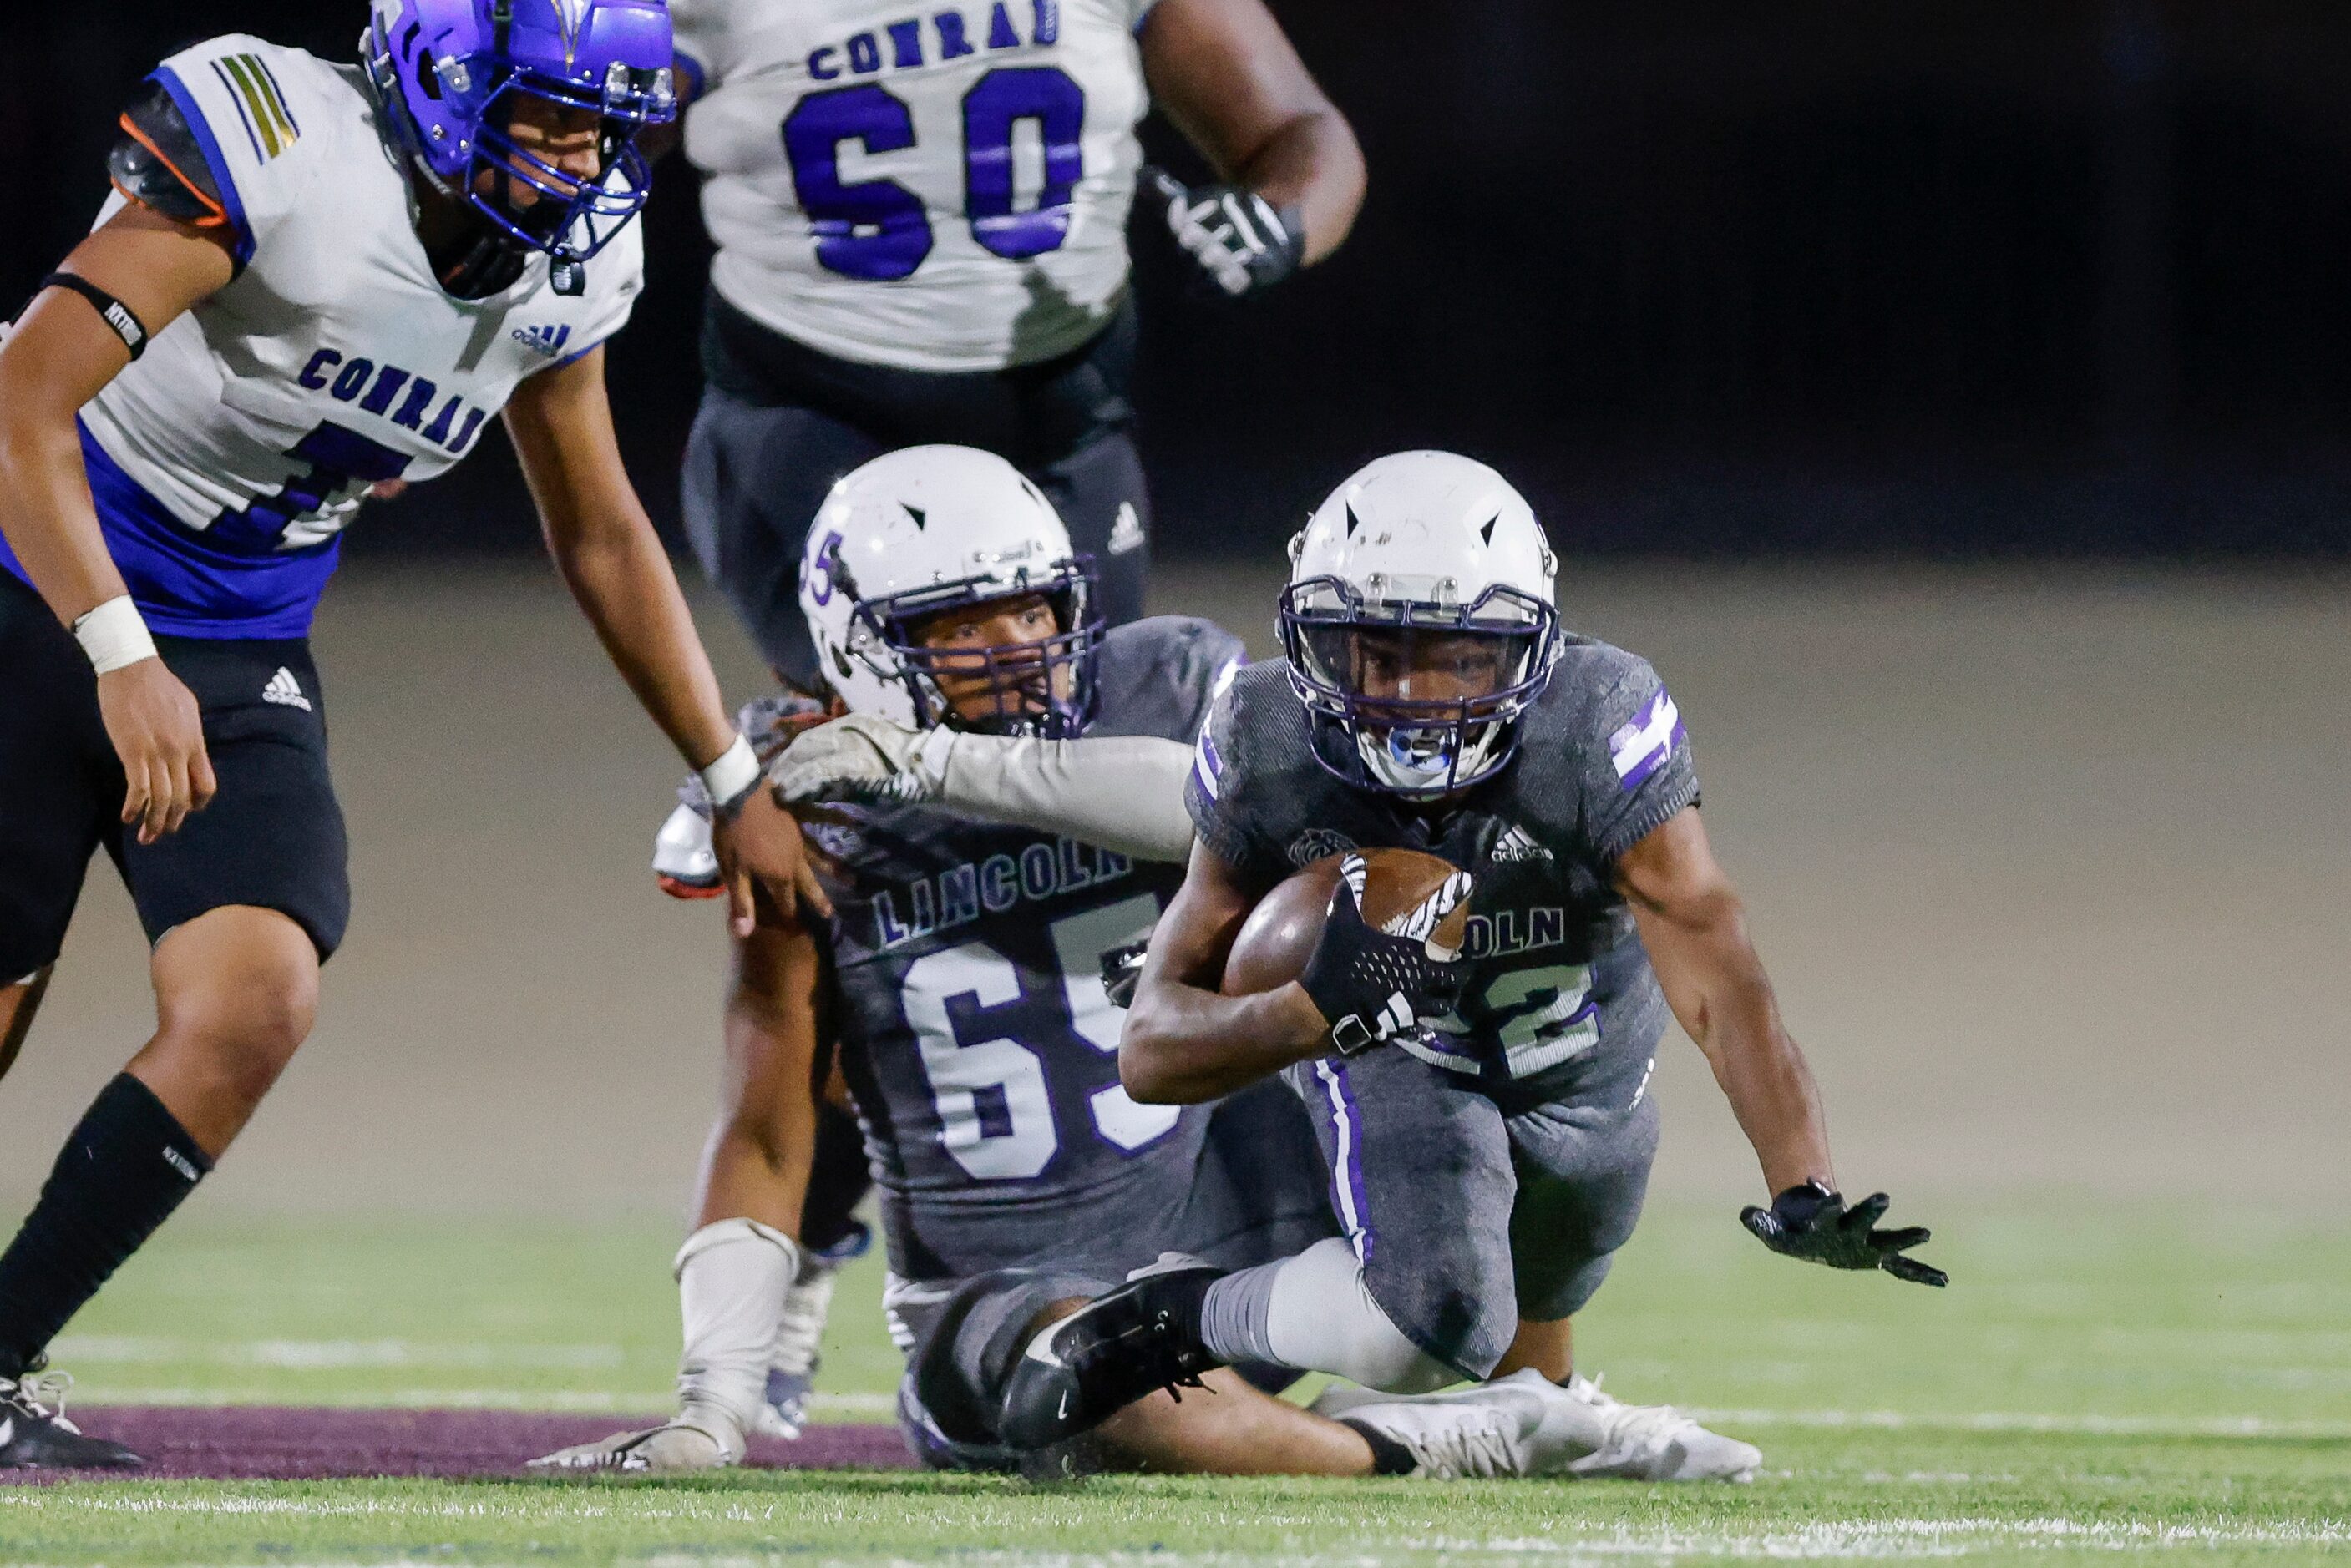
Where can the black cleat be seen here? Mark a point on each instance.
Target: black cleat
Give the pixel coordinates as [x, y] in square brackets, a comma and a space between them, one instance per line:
[35, 1433]
[1078, 1373]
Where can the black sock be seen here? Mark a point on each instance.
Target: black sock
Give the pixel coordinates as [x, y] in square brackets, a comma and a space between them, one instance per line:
[1389, 1458]
[119, 1174]
[839, 1179]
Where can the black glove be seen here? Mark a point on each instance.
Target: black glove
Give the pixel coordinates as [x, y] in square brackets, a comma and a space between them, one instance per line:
[1121, 970]
[1239, 242]
[1371, 985]
[1812, 1222]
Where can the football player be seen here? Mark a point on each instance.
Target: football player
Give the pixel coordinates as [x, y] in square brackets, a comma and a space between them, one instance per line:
[314, 279]
[1431, 701]
[921, 220]
[960, 974]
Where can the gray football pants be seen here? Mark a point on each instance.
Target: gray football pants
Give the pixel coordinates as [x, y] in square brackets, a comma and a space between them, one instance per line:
[755, 474]
[1467, 1219]
[1258, 1195]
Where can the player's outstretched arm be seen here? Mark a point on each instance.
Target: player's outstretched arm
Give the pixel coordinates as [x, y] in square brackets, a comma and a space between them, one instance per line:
[1695, 928]
[1185, 1042]
[1228, 76]
[613, 562]
[69, 344]
[1121, 792]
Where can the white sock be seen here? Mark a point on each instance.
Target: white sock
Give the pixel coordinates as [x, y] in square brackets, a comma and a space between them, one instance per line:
[731, 1279]
[1321, 1316]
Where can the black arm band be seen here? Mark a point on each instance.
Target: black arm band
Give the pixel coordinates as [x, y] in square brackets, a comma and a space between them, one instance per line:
[117, 315]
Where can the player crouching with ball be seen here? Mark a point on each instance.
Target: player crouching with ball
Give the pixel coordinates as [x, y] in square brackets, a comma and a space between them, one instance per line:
[1478, 1085]
[960, 972]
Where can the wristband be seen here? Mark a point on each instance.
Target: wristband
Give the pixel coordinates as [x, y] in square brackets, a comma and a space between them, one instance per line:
[114, 635]
[732, 776]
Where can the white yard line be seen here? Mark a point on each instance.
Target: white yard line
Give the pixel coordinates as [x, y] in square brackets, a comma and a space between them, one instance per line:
[2092, 1426]
[1928, 1537]
[328, 1354]
[646, 1401]
[308, 1355]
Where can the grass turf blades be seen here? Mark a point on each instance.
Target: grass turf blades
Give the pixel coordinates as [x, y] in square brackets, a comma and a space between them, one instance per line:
[2123, 1381]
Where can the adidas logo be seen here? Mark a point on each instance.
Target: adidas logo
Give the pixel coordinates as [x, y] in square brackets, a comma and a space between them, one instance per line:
[1126, 532]
[180, 1162]
[546, 340]
[1515, 845]
[285, 691]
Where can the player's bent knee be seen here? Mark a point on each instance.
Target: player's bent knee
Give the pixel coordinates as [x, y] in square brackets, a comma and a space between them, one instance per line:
[1326, 1314]
[1472, 1328]
[242, 990]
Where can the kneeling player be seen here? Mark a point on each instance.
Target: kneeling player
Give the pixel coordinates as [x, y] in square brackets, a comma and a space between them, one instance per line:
[1431, 702]
[960, 972]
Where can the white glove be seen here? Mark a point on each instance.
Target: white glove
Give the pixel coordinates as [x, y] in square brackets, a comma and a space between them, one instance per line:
[862, 757]
[1123, 792]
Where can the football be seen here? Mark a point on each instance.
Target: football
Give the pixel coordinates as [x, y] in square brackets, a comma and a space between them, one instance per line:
[1280, 934]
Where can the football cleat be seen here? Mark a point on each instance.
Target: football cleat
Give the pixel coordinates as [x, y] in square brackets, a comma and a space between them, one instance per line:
[1584, 1432]
[1499, 1429]
[35, 1433]
[683, 861]
[1078, 1372]
[1655, 1442]
[700, 1438]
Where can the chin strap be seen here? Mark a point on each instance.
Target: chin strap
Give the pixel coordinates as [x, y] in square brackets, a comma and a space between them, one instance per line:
[487, 264]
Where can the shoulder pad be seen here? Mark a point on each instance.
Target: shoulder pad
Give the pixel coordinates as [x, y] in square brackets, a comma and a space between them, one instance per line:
[160, 163]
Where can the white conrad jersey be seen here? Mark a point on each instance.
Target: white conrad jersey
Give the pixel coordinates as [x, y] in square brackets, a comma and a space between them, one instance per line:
[226, 461]
[942, 187]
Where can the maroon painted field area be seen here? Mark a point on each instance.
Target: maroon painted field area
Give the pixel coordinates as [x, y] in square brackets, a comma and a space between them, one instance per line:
[267, 1442]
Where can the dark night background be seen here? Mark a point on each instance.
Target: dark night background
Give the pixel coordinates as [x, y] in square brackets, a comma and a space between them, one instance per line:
[1944, 279]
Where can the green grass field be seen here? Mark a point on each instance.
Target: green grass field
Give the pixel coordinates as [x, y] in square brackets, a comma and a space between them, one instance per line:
[2104, 1382]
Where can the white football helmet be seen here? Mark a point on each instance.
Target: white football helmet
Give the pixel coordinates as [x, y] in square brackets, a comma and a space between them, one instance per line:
[1419, 622]
[932, 528]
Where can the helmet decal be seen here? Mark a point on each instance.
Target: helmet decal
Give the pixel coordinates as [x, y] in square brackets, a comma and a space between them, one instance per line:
[877, 577]
[450, 75]
[571, 17]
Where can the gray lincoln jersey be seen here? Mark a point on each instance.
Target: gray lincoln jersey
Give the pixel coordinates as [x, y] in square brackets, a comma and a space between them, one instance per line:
[1555, 969]
[976, 1038]
[1491, 1172]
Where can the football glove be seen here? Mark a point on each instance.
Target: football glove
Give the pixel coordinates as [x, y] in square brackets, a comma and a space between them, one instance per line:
[1121, 970]
[863, 758]
[1371, 985]
[1812, 1222]
[1240, 242]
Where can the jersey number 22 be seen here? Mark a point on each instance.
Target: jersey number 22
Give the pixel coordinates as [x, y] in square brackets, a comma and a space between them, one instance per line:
[879, 231]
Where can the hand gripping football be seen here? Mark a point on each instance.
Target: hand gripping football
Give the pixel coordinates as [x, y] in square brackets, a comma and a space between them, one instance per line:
[1280, 934]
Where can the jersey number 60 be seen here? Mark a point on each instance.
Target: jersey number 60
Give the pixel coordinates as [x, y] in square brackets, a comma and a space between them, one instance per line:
[879, 231]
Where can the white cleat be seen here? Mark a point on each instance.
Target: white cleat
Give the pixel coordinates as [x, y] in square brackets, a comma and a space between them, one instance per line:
[685, 862]
[1653, 1442]
[1510, 1426]
[699, 1439]
[1583, 1432]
